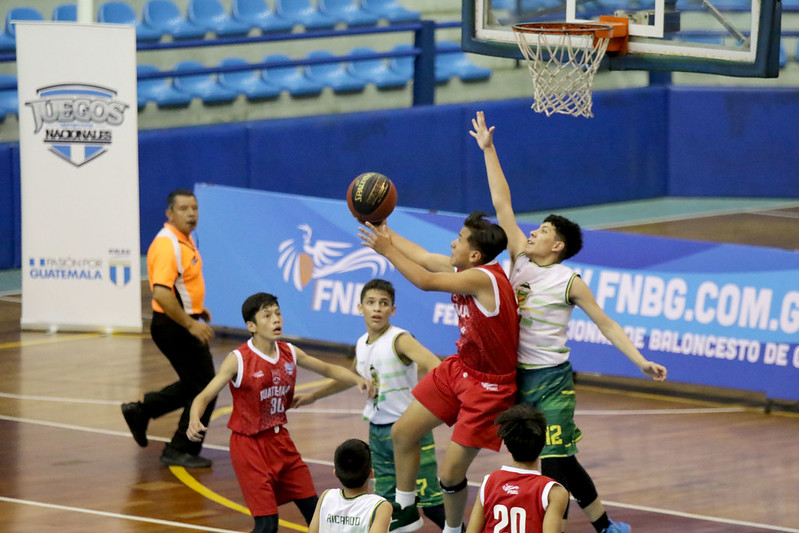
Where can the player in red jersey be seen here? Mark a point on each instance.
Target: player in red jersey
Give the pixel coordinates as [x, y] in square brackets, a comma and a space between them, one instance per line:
[469, 389]
[262, 373]
[518, 497]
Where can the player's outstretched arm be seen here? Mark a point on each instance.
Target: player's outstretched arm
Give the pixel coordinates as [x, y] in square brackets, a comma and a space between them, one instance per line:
[329, 388]
[427, 260]
[406, 345]
[382, 519]
[582, 297]
[470, 281]
[227, 372]
[498, 184]
[336, 372]
[553, 517]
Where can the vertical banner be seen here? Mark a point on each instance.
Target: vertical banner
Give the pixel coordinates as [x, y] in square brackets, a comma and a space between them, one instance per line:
[79, 177]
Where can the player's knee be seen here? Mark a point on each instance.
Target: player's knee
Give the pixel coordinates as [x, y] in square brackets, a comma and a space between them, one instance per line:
[448, 487]
[403, 437]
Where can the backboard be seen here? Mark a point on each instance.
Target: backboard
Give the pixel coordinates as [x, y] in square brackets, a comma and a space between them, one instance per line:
[726, 37]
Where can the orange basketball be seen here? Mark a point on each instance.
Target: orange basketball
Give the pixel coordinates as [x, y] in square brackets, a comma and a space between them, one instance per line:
[371, 197]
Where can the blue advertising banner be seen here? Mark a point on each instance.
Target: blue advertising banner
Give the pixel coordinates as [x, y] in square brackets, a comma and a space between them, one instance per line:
[715, 314]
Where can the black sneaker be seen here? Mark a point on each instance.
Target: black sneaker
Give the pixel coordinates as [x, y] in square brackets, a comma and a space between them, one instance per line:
[405, 519]
[175, 458]
[137, 421]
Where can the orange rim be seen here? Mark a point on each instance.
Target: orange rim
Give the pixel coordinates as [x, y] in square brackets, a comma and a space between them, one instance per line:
[555, 28]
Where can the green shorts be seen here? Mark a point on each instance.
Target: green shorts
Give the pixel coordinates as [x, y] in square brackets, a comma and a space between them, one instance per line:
[551, 391]
[427, 486]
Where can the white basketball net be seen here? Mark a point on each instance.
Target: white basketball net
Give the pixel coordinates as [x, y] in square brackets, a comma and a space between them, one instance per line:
[562, 66]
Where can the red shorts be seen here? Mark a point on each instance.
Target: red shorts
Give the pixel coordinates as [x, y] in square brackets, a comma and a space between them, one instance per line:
[471, 400]
[270, 470]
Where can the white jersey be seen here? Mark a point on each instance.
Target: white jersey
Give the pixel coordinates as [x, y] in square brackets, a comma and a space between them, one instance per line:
[393, 379]
[544, 309]
[339, 514]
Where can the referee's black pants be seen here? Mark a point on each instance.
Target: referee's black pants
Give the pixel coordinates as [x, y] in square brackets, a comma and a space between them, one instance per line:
[194, 365]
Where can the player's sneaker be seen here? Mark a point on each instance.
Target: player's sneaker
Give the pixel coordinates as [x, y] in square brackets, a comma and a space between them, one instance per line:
[617, 527]
[405, 519]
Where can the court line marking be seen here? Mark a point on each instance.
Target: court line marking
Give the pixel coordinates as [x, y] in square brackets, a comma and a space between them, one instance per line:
[115, 515]
[471, 483]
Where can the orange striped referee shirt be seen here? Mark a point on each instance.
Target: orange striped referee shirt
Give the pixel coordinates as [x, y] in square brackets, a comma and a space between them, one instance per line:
[174, 261]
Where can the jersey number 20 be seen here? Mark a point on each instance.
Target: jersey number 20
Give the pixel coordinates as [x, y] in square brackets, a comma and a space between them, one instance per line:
[511, 520]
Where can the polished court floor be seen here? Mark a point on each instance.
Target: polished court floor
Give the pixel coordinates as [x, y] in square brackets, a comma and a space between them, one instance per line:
[661, 461]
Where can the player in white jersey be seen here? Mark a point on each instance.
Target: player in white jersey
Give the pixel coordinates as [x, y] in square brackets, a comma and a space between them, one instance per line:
[393, 359]
[351, 509]
[547, 291]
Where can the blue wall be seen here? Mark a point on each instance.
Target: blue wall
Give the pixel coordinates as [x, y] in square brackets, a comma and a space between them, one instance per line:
[643, 143]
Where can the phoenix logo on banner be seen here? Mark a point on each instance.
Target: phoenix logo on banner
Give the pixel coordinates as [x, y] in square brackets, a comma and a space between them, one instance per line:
[304, 259]
[77, 119]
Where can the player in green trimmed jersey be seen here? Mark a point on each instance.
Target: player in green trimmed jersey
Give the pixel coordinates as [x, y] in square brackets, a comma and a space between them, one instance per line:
[547, 291]
[394, 360]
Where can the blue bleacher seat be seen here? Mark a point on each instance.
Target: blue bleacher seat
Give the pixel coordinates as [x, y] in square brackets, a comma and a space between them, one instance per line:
[376, 70]
[164, 16]
[20, 13]
[783, 55]
[211, 15]
[391, 10]
[250, 83]
[333, 75]
[348, 12]
[159, 90]
[203, 86]
[302, 12]
[8, 97]
[402, 65]
[451, 62]
[123, 13]
[290, 78]
[66, 13]
[257, 14]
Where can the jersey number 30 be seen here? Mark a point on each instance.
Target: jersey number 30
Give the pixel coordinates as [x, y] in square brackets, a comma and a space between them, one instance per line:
[511, 520]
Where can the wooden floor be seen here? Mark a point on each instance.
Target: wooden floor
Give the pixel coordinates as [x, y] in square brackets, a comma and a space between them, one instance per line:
[663, 463]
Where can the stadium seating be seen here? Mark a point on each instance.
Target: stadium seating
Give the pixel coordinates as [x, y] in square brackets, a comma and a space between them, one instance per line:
[303, 13]
[333, 75]
[257, 14]
[402, 65]
[348, 11]
[391, 10]
[290, 78]
[164, 16]
[211, 15]
[202, 86]
[158, 90]
[451, 62]
[65, 13]
[8, 97]
[8, 39]
[250, 83]
[376, 70]
[123, 13]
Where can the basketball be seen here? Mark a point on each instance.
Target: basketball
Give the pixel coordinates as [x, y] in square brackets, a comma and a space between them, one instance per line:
[371, 197]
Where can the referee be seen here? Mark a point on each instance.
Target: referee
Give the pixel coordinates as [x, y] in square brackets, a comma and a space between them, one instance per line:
[180, 330]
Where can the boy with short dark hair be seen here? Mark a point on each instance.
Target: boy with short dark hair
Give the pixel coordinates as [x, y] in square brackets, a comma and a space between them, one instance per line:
[262, 374]
[393, 359]
[351, 509]
[518, 497]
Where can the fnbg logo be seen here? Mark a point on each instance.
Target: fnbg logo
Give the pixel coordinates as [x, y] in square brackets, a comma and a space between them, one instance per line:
[77, 119]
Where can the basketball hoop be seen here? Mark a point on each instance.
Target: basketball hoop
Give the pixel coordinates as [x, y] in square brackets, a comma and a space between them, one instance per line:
[563, 58]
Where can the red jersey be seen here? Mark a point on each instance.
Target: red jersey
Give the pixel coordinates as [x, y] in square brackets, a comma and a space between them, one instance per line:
[263, 388]
[488, 341]
[515, 500]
